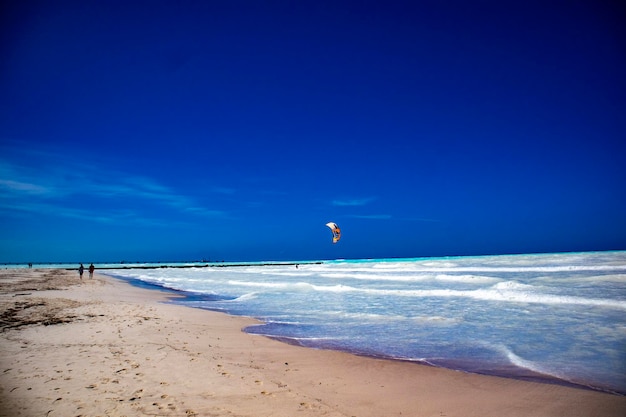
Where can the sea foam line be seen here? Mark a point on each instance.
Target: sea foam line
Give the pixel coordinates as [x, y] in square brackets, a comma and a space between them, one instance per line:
[412, 268]
[509, 291]
[524, 363]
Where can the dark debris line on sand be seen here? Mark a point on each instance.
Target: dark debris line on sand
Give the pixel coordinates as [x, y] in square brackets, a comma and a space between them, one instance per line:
[19, 308]
[39, 312]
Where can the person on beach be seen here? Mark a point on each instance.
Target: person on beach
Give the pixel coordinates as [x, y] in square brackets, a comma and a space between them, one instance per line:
[91, 269]
[81, 269]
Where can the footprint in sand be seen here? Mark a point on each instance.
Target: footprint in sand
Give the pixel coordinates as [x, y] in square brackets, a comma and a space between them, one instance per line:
[136, 395]
[279, 384]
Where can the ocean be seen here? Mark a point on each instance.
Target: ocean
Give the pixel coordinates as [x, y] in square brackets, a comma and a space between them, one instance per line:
[558, 318]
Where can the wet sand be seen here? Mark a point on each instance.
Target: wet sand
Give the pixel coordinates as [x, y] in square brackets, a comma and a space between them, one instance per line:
[102, 347]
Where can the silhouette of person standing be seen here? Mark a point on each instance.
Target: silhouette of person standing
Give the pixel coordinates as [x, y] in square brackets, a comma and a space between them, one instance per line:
[81, 269]
[91, 269]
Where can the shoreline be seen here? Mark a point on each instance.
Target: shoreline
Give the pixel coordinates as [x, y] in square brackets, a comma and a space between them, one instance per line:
[180, 297]
[518, 374]
[104, 347]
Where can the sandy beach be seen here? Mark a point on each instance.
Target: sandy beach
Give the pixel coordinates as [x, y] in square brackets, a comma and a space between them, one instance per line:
[102, 347]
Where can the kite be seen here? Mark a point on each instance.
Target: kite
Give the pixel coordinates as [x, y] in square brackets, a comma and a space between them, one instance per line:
[336, 231]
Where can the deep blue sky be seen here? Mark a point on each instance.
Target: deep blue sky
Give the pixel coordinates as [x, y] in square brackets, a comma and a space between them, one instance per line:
[234, 130]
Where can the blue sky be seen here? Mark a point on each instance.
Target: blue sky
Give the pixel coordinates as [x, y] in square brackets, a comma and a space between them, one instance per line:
[234, 130]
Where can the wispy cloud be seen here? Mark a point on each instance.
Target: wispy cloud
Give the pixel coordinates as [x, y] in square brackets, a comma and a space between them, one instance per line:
[39, 207]
[22, 187]
[58, 188]
[353, 201]
[372, 216]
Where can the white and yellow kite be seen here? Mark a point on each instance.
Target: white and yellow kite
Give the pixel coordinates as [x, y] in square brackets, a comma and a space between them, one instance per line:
[336, 231]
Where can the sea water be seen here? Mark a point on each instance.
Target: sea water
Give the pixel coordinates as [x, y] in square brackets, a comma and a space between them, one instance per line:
[551, 317]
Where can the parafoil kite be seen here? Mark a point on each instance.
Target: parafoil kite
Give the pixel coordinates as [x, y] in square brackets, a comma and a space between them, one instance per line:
[336, 231]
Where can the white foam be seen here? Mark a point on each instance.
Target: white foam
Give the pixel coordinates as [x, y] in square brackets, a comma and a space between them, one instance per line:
[512, 291]
[437, 320]
[269, 285]
[508, 291]
[245, 297]
[502, 291]
[375, 277]
[513, 286]
[469, 279]
[524, 363]
[497, 269]
[618, 278]
[532, 366]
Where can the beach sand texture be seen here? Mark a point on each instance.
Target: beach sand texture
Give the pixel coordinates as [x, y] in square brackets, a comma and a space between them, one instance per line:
[104, 348]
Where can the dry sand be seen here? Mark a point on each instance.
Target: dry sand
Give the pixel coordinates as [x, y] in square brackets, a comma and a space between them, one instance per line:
[104, 348]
